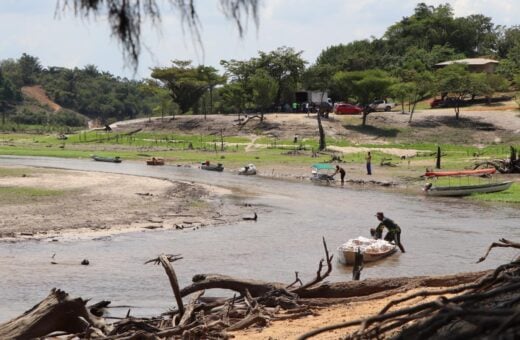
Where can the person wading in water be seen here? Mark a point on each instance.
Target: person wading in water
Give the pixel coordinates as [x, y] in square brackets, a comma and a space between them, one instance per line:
[394, 231]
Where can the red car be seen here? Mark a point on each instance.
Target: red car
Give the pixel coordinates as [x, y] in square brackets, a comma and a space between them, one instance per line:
[347, 109]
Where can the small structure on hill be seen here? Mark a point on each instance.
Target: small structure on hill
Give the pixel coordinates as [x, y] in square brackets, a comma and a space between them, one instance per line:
[474, 64]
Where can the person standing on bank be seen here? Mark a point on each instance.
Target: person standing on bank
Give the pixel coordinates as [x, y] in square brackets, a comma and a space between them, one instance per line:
[394, 231]
[341, 173]
[369, 163]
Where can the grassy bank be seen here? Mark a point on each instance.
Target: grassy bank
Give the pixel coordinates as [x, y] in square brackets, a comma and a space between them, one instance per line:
[511, 195]
[267, 153]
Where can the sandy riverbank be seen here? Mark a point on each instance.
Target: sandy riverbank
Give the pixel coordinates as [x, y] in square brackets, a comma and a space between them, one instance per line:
[91, 204]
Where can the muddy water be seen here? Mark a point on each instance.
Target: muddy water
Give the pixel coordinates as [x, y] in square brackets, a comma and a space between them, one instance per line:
[441, 236]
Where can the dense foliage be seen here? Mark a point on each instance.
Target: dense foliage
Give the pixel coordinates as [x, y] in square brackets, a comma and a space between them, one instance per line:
[94, 94]
[400, 64]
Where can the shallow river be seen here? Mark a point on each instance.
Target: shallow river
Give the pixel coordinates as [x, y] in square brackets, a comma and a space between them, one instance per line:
[441, 236]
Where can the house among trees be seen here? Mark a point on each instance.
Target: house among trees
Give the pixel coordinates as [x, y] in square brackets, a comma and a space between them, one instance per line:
[474, 64]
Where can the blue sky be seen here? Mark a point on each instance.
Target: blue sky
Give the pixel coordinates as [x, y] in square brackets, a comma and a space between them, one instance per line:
[31, 26]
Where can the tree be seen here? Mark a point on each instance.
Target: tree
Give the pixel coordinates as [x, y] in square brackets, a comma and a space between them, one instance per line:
[285, 66]
[30, 68]
[185, 82]
[342, 84]
[239, 73]
[358, 55]
[7, 95]
[126, 17]
[233, 97]
[479, 86]
[401, 91]
[373, 84]
[319, 77]
[264, 89]
[212, 79]
[423, 85]
[454, 79]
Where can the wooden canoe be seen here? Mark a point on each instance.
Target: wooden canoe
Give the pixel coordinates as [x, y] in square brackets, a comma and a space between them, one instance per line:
[155, 161]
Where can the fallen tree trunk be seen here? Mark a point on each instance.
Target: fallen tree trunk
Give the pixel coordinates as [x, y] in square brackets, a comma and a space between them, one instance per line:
[387, 286]
[214, 281]
[57, 312]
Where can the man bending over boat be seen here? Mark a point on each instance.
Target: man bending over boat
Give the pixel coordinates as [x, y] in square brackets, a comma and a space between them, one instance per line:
[341, 173]
[394, 231]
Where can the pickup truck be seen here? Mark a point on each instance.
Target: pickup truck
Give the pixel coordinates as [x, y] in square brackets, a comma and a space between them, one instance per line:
[381, 105]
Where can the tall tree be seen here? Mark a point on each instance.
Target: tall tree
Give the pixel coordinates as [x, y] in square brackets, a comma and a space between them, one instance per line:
[264, 89]
[233, 96]
[454, 80]
[30, 68]
[319, 77]
[185, 82]
[239, 73]
[286, 66]
[212, 79]
[373, 84]
[7, 95]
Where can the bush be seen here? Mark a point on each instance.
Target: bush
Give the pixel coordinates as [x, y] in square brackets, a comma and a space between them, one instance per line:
[30, 117]
[67, 118]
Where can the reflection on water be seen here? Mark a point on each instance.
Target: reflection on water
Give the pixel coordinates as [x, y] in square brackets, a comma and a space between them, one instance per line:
[441, 237]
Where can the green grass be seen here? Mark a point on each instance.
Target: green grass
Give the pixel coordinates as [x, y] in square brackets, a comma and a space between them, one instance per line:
[14, 195]
[182, 149]
[511, 195]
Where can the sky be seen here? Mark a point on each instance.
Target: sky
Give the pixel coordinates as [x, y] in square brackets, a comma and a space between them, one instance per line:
[32, 27]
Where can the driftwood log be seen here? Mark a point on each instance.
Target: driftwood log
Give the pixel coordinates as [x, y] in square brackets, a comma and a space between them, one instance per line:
[484, 309]
[260, 303]
[56, 313]
[504, 166]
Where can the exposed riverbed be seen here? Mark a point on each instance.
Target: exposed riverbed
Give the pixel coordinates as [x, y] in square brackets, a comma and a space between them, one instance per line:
[441, 236]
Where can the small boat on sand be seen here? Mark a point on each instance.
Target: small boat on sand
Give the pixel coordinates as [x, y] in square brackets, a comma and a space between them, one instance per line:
[248, 170]
[155, 161]
[212, 167]
[372, 250]
[465, 190]
[458, 188]
[115, 159]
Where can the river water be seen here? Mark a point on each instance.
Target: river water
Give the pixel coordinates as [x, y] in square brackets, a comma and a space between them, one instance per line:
[441, 236]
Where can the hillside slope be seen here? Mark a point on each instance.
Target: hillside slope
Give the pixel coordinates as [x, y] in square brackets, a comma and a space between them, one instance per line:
[37, 93]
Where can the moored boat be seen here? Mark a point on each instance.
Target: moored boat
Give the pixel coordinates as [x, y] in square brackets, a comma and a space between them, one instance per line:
[212, 167]
[476, 172]
[248, 170]
[155, 161]
[115, 159]
[372, 250]
[465, 190]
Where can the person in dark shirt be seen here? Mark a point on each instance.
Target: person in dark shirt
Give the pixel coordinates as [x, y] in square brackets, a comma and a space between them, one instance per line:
[394, 231]
[341, 173]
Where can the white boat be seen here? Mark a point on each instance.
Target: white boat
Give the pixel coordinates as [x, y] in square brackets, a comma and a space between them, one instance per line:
[248, 170]
[465, 190]
[371, 249]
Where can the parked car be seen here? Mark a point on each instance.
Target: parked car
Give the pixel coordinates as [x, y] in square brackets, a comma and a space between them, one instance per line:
[347, 109]
[436, 102]
[447, 102]
[381, 105]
